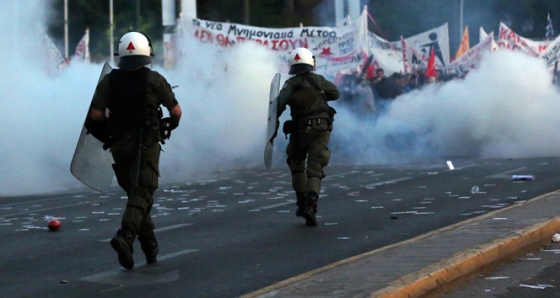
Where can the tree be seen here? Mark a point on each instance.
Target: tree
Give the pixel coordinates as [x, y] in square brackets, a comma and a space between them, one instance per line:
[94, 15]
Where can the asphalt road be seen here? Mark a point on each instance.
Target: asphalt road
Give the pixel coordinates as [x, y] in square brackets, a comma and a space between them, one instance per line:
[236, 232]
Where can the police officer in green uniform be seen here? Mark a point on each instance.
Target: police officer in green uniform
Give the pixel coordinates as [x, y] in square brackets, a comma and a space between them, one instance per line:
[126, 112]
[310, 128]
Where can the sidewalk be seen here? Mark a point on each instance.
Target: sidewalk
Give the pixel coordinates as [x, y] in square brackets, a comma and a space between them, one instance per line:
[431, 264]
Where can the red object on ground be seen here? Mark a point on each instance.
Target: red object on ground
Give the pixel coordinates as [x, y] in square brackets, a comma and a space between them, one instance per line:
[54, 225]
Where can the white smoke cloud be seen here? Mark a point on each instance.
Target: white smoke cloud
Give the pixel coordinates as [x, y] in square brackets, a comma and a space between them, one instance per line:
[223, 94]
[41, 112]
[224, 97]
[507, 108]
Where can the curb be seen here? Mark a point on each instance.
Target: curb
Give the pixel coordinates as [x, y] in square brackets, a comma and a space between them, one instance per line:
[438, 278]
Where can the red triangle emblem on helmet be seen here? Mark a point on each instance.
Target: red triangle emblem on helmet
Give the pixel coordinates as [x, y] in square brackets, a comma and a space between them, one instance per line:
[296, 58]
[130, 47]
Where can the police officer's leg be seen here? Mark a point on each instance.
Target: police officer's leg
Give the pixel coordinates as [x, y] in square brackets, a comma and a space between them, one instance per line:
[296, 163]
[148, 183]
[148, 241]
[318, 157]
[122, 242]
[140, 197]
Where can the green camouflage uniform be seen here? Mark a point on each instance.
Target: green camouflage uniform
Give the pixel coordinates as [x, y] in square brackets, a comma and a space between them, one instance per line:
[133, 98]
[307, 95]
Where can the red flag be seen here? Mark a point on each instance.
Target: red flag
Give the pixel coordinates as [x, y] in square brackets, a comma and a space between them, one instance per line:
[431, 70]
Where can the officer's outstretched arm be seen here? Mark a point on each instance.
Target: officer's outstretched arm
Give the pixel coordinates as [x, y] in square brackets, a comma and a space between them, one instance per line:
[175, 115]
[331, 91]
[170, 123]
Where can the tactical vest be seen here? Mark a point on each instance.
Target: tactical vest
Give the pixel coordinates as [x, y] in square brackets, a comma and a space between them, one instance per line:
[308, 103]
[128, 105]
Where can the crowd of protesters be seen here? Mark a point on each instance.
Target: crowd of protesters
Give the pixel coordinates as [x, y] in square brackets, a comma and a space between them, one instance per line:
[370, 92]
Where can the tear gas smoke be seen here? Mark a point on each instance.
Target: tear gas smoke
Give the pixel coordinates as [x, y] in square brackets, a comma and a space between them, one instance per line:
[224, 97]
[507, 108]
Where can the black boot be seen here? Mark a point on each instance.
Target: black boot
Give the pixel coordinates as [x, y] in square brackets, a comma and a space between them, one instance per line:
[310, 209]
[149, 247]
[300, 204]
[122, 244]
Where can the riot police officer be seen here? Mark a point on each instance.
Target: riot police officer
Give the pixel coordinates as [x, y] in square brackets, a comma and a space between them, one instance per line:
[307, 94]
[126, 110]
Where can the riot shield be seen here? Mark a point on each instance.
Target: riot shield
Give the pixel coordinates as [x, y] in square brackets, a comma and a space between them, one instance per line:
[272, 119]
[90, 163]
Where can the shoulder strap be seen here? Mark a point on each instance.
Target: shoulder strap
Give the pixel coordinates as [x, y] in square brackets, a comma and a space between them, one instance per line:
[314, 84]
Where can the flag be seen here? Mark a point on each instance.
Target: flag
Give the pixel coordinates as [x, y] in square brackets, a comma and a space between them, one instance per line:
[386, 55]
[405, 58]
[509, 40]
[55, 61]
[464, 46]
[437, 39]
[549, 28]
[431, 69]
[82, 49]
[471, 59]
[552, 52]
[482, 34]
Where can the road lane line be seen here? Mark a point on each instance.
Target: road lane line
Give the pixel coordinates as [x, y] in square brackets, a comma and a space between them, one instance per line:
[42, 200]
[390, 181]
[48, 209]
[172, 227]
[143, 275]
[289, 202]
[177, 226]
[343, 174]
[505, 174]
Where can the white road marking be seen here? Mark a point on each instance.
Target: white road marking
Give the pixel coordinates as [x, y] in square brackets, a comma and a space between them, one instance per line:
[140, 276]
[289, 202]
[46, 209]
[389, 181]
[342, 174]
[177, 226]
[506, 174]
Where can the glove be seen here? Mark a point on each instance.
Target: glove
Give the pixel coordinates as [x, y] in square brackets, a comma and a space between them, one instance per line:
[289, 127]
[166, 126]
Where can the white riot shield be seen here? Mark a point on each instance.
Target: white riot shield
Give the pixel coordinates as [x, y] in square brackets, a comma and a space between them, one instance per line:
[272, 119]
[91, 164]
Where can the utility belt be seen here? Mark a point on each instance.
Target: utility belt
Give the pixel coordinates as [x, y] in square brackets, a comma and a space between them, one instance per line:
[155, 129]
[126, 135]
[143, 136]
[309, 123]
[292, 126]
